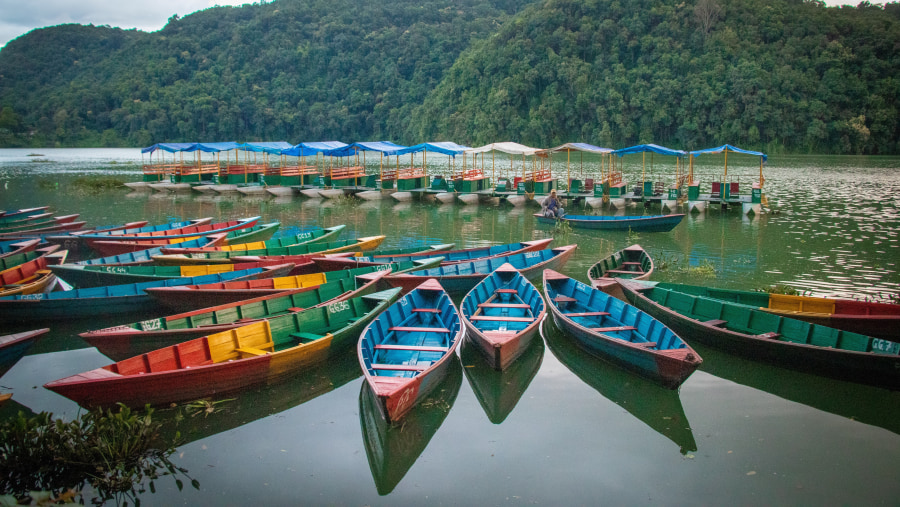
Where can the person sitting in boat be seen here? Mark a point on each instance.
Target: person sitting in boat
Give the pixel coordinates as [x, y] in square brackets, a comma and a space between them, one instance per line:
[552, 207]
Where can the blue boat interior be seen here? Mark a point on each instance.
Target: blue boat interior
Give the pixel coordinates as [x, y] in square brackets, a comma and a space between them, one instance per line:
[411, 335]
[505, 301]
[609, 316]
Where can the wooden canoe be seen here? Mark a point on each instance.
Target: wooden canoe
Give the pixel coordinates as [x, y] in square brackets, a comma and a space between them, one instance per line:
[502, 315]
[113, 248]
[755, 334]
[15, 247]
[637, 223]
[423, 250]
[316, 235]
[201, 227]
[458, 279]
[120, 342]
[450, 257]
[81, 276]
[186, 298]
[31, 224]
[241, 255]
[618, 332]
[25, 234]
[24, 266]
[406, 351]
[86, 303]
[879, 320]
[42, 280]
[144, 256]
[14, 346]
[24, 212]
[11, 261]
[260, 352]
[632, 262]
[16, 221]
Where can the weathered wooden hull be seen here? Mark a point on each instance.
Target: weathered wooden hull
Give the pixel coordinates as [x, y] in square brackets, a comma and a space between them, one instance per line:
[668, 365]
[654, 223]
[866, 367]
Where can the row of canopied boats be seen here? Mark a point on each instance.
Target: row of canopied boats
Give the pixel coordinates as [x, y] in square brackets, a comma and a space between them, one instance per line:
[258, 317]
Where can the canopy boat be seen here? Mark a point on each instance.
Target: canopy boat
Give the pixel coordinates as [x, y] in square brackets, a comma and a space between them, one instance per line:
[261, 352]
[392, 449]
[657, 407]
[502, 315]
[407, 350]
[309, 250]
[146, 256]
[82, 276]
[633, 262]
[619, 333]
[14, 346]
[879, 320]
[450, 257]
[459, 279]
[119, 342]
[187, 298]
[637, 223]
[85, 303]
[498, 391]
[17, 247]
[308, 236]
[755, 334]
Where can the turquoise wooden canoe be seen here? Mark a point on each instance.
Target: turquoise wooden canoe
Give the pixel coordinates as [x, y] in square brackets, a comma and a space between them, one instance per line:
[265, 351]
[87, 303]
[618, 332]
[636, 223]
[82, 277]
[242, 255]
[314, 235]
[407, 350]
[502, 315]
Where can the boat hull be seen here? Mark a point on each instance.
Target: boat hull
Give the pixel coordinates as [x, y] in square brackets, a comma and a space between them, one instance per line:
[656, 223]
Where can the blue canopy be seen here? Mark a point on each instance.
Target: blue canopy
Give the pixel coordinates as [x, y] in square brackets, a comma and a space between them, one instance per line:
[654, 148]
[274, 147]
[312, 148]
[217, 147]
[385, 147]
[445, 148]
[728, 147]
[170, 147]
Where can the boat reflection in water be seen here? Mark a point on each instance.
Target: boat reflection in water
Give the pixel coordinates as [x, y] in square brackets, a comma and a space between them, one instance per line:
[866, 404]
[239, 408]
[392, 449]
[500, 391]
[658, 407]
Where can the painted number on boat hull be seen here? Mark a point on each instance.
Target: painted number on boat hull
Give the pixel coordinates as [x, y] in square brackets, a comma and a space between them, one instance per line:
[885, 346]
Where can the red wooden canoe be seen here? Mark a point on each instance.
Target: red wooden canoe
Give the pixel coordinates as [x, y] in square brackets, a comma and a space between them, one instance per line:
[111, 248]
[21, 247]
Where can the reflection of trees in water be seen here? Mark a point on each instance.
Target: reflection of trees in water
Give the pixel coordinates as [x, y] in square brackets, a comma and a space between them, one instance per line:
[114, 455]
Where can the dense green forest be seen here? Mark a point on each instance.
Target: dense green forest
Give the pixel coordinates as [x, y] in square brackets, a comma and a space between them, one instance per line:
[777, 75]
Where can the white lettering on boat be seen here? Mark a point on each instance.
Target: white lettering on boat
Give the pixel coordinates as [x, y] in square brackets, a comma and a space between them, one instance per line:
[114, 269]
[383, 267]
[885, 346]
[338, 307]
[532, 255]
[32, 296]
[151, 325]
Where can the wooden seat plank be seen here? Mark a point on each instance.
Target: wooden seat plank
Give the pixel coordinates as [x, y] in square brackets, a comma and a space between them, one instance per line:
[613, 329]
[501, 318]
[563, 299]
[715, 322]
[409, 329]
[587, 314]
[422, 348]
[426, 310]
[399, 367]
[506, 291]
[503, 305]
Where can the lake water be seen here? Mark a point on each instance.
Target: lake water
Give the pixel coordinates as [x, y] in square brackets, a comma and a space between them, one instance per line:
[562, 427]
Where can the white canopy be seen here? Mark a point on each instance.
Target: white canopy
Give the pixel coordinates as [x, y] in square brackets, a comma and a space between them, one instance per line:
[508, 147]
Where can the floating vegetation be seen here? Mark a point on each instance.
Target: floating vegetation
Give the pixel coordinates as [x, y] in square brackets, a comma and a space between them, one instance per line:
[35, 155]
[41, 160]
[562, 228]
[633, 237]
[665, 261]
[96, 185]
[346, 200]
[706, 269]
[114, 453]
[45, 184]
[780, 288]
[204, 407]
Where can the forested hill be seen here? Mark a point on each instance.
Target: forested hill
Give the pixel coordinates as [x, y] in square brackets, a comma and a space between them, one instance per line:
[285, 70]
[778, 75]
[771, 74]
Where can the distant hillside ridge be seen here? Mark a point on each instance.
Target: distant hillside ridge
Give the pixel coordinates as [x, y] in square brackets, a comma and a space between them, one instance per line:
[775, 75]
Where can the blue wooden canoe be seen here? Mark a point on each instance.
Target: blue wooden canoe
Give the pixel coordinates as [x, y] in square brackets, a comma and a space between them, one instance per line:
[16, 247]
[458, 279]
[91, 302]
[618, 332]
[14, 346]
[502, 315]
[406, 351]
[650, 223]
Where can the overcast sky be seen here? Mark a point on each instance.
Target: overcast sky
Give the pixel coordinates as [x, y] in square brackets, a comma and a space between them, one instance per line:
[18, 17]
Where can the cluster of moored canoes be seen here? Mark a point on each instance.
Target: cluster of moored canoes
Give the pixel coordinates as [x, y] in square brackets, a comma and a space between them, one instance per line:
[252, 309]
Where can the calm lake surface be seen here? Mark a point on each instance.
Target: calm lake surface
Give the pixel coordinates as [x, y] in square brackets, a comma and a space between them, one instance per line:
[561, 428]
